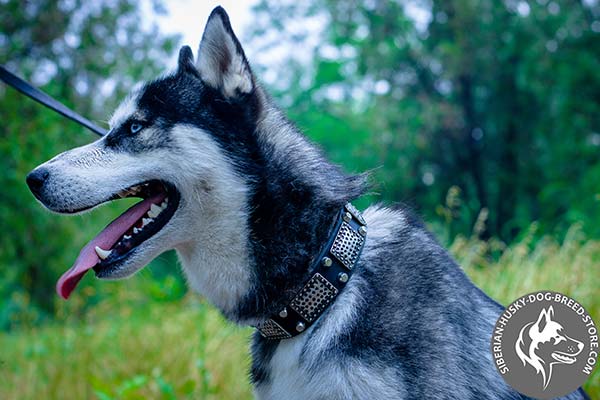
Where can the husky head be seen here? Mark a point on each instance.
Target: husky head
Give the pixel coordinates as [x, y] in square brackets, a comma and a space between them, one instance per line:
[544, 343]
[215, 164]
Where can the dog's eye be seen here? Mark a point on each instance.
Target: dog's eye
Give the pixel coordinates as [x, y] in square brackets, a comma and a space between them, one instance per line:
[135, 127]
[558, 339]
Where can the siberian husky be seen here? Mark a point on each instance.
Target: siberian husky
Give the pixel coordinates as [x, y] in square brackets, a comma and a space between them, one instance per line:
[249, 204]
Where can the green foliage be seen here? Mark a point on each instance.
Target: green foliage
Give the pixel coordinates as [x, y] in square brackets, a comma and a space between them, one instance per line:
[497, 98]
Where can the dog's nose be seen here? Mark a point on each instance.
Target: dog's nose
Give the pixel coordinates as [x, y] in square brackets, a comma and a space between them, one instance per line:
[36, 179]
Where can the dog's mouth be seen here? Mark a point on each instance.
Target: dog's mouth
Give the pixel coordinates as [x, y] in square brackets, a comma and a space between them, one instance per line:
[108, 251]
[563, 358]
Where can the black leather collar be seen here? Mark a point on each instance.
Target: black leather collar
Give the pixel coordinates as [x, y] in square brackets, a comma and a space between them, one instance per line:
[331, 272]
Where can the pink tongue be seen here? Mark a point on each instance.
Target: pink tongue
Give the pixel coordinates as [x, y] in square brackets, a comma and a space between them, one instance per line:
[106, 239]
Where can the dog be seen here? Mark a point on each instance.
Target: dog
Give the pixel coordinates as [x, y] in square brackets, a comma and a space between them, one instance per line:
[543, 343]
[248, 203]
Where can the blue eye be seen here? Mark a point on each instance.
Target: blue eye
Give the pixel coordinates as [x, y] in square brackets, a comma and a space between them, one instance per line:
[135, 127]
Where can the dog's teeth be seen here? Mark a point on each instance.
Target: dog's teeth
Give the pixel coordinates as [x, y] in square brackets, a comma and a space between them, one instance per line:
[103, 254]
[154, 210]
[146, 221]
[136, 230]
[126, 237]
[163, 205]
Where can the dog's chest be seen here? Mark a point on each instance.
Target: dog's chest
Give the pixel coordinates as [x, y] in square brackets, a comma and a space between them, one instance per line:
[295, 372]
[287, 379]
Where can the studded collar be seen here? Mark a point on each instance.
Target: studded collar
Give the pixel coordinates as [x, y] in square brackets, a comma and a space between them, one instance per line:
[331, 272]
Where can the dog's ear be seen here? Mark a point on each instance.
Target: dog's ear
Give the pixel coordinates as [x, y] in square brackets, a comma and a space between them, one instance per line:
[544, 318]
[221, 60]
[185, 63]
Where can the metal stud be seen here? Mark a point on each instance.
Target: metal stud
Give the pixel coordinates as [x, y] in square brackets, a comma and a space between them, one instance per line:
[355, 213]
[300, 326]
[283, 313]
[343, 277]
[347, 217]
[326, 261]
[363, 230]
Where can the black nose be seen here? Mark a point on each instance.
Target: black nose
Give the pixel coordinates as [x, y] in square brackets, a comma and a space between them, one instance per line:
[36, 179]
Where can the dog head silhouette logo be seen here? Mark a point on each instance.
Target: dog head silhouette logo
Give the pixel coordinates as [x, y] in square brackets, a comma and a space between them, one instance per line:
[544, 343]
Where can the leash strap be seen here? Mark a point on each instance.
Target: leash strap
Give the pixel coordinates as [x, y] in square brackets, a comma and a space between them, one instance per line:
[333, 269]
[25, 88]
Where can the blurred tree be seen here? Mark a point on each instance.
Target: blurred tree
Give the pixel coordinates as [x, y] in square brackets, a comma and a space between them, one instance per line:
[86, 54]
[498, 98]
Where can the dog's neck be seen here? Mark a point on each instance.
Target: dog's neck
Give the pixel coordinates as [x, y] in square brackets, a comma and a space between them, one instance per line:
[290, 232]
[293, 214]
[293, 202]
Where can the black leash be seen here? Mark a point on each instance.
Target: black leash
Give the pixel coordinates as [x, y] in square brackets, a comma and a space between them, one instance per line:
[19, 84]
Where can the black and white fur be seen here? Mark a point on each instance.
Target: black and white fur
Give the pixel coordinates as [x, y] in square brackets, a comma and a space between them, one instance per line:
[258, 201]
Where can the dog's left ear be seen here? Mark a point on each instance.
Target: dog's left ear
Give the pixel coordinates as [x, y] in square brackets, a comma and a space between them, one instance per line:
[221, 60]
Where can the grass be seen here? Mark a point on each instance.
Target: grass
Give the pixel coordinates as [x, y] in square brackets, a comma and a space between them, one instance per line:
[161, 351]
[131, 348]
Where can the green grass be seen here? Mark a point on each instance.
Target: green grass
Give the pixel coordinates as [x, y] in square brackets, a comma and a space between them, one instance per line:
[160, 351]
[129, 347]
